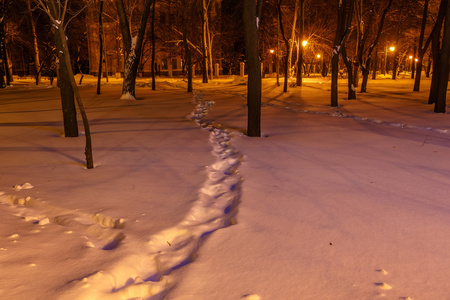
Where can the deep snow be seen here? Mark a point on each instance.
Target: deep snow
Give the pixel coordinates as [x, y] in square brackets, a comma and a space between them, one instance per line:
[343, 203]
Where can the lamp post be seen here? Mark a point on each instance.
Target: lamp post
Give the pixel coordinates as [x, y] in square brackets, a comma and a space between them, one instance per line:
[271, 61]
[394, 67]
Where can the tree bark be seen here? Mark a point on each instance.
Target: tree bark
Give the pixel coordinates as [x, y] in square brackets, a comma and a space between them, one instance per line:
[291, 44]
[100, 36]
[186, 47]
[342, 31]
[435, 50]
[204, 43]
[52, 9]
[286, 42]
[154, 45]
[37, 64]
[444, 68]
[66, 91]
[350, 82]
[132, 47]
[300, 48]
[365, 66]
[251, 18]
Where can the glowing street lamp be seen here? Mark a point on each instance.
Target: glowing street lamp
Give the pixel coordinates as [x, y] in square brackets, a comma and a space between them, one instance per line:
[318, 55]
[410, 57]
[392, 48]
[272, 51]
[304, 43]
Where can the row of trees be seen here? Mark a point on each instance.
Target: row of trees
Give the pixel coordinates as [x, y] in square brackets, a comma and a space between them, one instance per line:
[206, 29]
[352, 32]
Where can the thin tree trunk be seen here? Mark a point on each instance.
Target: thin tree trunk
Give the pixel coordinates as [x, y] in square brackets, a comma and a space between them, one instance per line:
[291, 44]
[100, 36]
[300, 51]
[204, 43]
[413, 63]
[52, 9]
[210, 58]
[430, 62]
[374, 67]
[154, 45]
[186, 47]
[35, 44]
[444, 69]
[286, 42]
[365, 66]
[348, 63]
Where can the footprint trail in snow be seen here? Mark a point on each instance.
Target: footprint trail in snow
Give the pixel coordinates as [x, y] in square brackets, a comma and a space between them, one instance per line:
[146, 274]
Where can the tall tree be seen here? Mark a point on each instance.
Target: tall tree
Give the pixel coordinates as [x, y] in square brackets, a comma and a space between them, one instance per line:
[186, 47]
[205, 41]
[423, 48]
[292, 39]
[100, 36]
[288, 46]
[365, 64]
[301, 22]
[57, 13]
[153, 46]
[132, 46]
[444, 62]
[35, 47]
[251, 17]
[345, 12]
[436, 51]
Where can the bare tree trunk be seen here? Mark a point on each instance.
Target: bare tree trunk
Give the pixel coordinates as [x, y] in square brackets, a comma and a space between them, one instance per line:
[348, 63]
[210, 57]
[251, 17]
[413, 63]
[286, 42]
[132, 47]
[153, 46]
[300, 52]
[53, 10]
[37, 64]
[67, 93]
[186, 47]
[435, 49]
[100, 36]
[204, 42]
[444, 68]
[291, 46]
[365, 65]
[359, 40]
[374, 68]
[342, 31]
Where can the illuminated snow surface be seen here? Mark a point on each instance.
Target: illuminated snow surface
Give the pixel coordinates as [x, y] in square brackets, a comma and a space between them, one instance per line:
[331, 203]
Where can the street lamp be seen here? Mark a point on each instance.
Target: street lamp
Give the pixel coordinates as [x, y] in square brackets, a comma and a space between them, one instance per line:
[392, 48]
[304, 43]
[271, 64]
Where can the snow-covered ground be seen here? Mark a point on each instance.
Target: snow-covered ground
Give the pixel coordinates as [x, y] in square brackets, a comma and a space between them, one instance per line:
[331, 203]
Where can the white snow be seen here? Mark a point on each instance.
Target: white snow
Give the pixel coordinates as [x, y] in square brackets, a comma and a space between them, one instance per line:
[331, 203]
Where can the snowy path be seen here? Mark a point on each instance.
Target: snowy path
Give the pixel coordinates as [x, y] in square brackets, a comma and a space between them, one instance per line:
[332, 208]
[146, 272]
